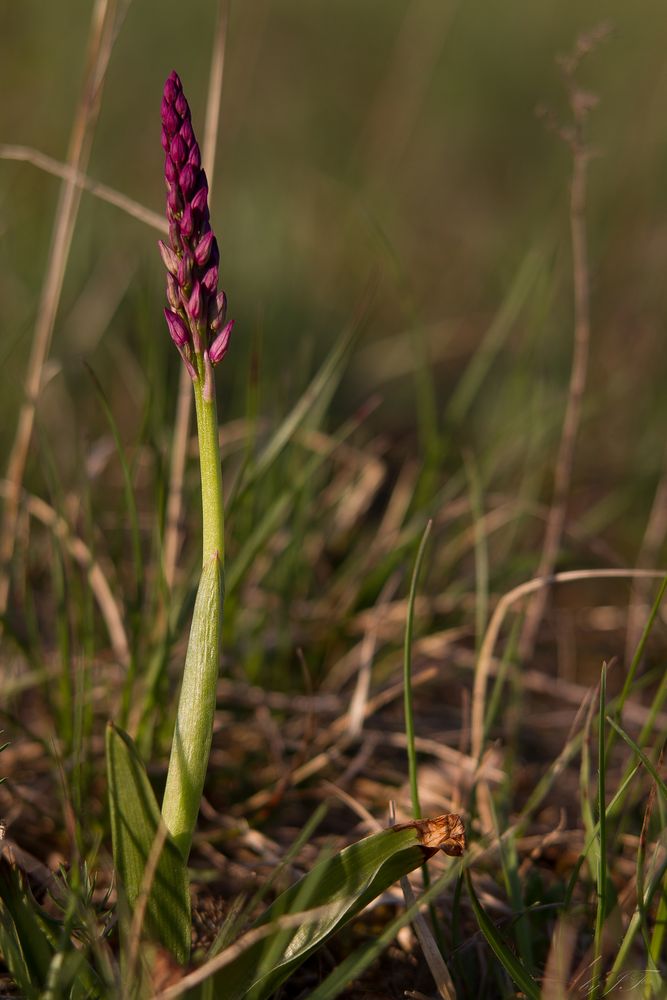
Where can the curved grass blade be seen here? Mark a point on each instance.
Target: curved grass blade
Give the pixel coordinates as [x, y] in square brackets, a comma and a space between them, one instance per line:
[639, 753]
[352, 966]
[135, 824]
[506, 958]
[344, 884]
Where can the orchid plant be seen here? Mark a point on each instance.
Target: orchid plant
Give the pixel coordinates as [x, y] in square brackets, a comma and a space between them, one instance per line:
[197, 323]
[151, 844]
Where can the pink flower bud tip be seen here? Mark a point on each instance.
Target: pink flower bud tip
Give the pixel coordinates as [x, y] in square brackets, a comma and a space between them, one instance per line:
[218, 348]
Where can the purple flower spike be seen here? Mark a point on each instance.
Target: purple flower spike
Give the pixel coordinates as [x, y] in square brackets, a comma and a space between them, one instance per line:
[196, 313]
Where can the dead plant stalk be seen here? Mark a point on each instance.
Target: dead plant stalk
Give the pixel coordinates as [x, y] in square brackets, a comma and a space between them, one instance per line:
[580, 104]
[100, 44]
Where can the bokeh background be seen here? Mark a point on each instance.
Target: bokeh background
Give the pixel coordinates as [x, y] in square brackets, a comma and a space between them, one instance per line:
[380, 141]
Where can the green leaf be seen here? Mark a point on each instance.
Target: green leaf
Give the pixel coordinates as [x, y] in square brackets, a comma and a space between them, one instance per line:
[345, 884]
[135, 825]
[505, 956]
[26, 947]
[650, 767]
[196, 707]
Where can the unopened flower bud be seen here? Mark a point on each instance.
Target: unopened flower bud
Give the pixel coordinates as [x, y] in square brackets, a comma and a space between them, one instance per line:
[172, 87]
[175, 237]
[187, 133]
[188, 181]
[203, 248]
[173, 297]
[195, 308]
[177, 328]
[210, 279]
[170, 169]
[178, 150]
[219, 347]
[170, 120]
[181, 106]
[185, 271]
[187, 223]
[174, 201]
[200, 202]
[169, 258]
[218, 312]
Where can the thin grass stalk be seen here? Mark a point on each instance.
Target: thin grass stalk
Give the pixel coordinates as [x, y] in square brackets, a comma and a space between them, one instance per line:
[649, 551]
[25, 154]
[601, 873]
[100, 44]
[407, 677]
[139, 915]
[409, 713]
[481, 550]
[657, 942]
[578, 373]
[658, 876]
[640, 882]
[610, 812]
[639, 653]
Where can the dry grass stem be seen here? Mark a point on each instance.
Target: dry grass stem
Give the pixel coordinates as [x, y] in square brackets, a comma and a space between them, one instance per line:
[139, 914]
[203, 972]
[443, 981]
[493, 630]
[580, 107]
[357, 711]
[81, 180]
[100, 43]
[106, 602]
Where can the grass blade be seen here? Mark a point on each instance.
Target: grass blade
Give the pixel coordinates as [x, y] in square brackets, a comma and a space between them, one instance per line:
[601, 867]
[407, 675]
[135, 825]
[343, 884]
[639, 753]
[507, 959]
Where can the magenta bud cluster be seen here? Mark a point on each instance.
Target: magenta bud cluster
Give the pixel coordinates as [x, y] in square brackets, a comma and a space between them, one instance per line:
[196, 313]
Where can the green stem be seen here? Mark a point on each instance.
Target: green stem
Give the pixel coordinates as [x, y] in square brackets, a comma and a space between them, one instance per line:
[196, 707]
[213, 521]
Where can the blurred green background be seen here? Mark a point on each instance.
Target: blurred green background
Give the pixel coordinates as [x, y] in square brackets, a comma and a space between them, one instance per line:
[360, 138]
